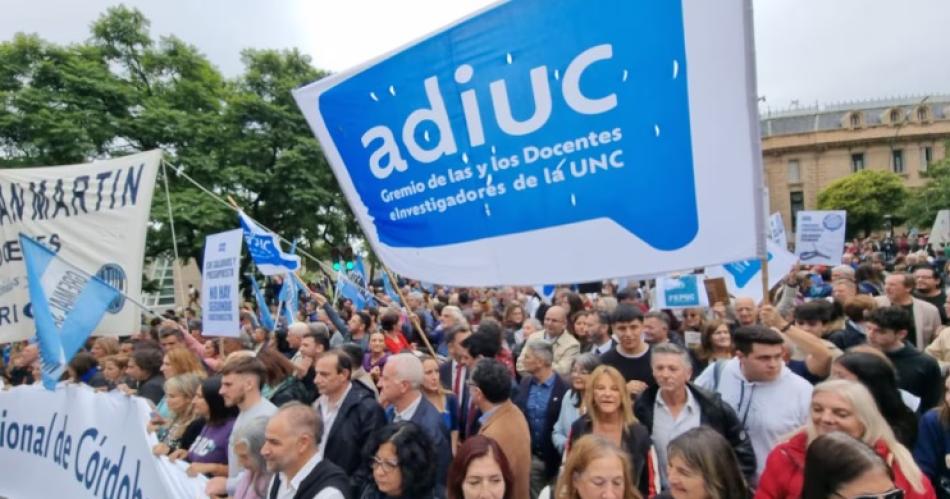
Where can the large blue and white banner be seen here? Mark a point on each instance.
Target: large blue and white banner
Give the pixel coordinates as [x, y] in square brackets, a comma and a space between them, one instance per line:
[94, 215]
[77, 443]
[538, 141]
[264, 247]
[67, 306]
[219, 284]
[819, 237]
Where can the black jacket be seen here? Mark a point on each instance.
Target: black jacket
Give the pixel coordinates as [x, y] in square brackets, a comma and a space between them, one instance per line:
[544, 449]
[291, 389]
[714, 413]
[325, 474]
[918, 374]
[359, 415]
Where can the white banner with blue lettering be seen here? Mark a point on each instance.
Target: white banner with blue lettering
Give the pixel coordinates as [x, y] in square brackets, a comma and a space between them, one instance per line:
[77, 443]
[819, 237]
[777, 230]
[538, 141]
[219, 284]
[684, 291]
[94, 216]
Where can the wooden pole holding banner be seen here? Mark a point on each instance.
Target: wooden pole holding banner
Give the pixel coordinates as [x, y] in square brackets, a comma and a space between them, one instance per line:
[766, 299]
[412, 317]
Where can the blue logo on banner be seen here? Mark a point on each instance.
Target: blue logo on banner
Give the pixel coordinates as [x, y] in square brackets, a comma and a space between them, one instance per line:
[743, 271]
[530, 115]
[683, 291]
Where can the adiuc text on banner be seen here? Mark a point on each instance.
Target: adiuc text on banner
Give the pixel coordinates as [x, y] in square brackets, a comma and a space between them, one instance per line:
[264, 247]
[532, 133]
[744, 278]
[67, 306]
[75, 442]
[219, 284]
[93, 215]
[819, 237]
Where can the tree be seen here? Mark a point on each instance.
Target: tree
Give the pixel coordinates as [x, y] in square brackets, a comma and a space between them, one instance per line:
[123, 92]
[868, 196]
[925, 201]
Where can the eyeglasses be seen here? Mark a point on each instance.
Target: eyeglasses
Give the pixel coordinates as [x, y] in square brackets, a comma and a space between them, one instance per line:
[383, 464]
[890, 494]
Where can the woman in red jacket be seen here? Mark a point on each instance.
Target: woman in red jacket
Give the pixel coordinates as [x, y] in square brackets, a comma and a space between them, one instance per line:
[848, 407]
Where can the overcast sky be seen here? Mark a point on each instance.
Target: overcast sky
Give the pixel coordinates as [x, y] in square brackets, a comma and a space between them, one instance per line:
[808, 51]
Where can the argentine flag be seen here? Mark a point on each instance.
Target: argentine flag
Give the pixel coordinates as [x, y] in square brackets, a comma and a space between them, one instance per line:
[265, 249]
[67, 306]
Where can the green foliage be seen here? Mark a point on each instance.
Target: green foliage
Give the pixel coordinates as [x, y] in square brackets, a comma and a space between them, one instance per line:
[123, 92]
[924, 202]
[867, 196]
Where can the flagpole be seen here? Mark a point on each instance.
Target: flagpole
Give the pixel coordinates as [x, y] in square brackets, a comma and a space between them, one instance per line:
[171, 224]
[412, 317]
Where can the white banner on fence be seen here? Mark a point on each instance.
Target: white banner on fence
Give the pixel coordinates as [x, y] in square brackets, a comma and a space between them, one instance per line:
[819, 237]
[93, 215]
[685, 291]
[744, 278]
[219, 284]
[77, 443]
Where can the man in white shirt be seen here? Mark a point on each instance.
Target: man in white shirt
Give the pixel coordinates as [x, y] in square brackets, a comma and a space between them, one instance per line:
[291, 452]
[598, 327]
[770, 400]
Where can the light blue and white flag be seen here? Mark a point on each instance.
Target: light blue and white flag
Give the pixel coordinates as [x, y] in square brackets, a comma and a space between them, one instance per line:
[347, 288]
[289, 297]
[263, 311]
[67, 306]
[264, 247]
[546, 292]
[390, 291]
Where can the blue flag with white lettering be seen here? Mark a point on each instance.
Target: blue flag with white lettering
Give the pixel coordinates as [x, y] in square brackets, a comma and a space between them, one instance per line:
[264, 247]
[388, 287]
[263, 311]
[67, 306]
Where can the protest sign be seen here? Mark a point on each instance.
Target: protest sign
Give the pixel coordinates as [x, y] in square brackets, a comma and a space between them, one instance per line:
[93, 215]
[819, 238]
[219, 284]
[744, 278]
[777, 230]
[77, 443]
[940, 232]
[534, 134]
[679, 292]
[716, 290]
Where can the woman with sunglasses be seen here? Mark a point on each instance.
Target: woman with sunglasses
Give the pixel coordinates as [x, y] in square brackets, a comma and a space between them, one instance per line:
[848, 407]
[838, 466]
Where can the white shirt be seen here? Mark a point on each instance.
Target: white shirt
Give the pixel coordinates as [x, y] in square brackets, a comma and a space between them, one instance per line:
[409, 412]
[666, 427]
[288, 488]
[769, 411]
[602, 349]
[328, 414]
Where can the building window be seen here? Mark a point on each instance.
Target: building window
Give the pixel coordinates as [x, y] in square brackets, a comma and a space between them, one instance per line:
[796, 201]
[857, 162]
[921, 114]
[897, 160]
[794, 171]
[855, 120]
[926, 157]
[895, 116]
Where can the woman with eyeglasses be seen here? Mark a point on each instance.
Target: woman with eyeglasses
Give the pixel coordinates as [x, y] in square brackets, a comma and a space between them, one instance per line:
[838, 466]
[596, 468]
[610, 416]
[848, 407]
[571, 405]
[400, 455]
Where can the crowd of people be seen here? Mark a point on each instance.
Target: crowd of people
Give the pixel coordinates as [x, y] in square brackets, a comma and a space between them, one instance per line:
[835, 386]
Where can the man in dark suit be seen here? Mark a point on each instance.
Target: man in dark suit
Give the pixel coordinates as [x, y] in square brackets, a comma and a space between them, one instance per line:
[399, 385]
[349, 413]
[452, 374]
[539, 398]
[290, 448]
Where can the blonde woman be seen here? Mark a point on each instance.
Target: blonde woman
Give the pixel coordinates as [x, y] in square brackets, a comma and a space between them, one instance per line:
[104, 346]
[610, 416]
[848, 407]
[596, 468]
[185, 425]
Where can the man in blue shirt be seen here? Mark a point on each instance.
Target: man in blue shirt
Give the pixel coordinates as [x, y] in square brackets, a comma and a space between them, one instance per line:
[539, 398]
